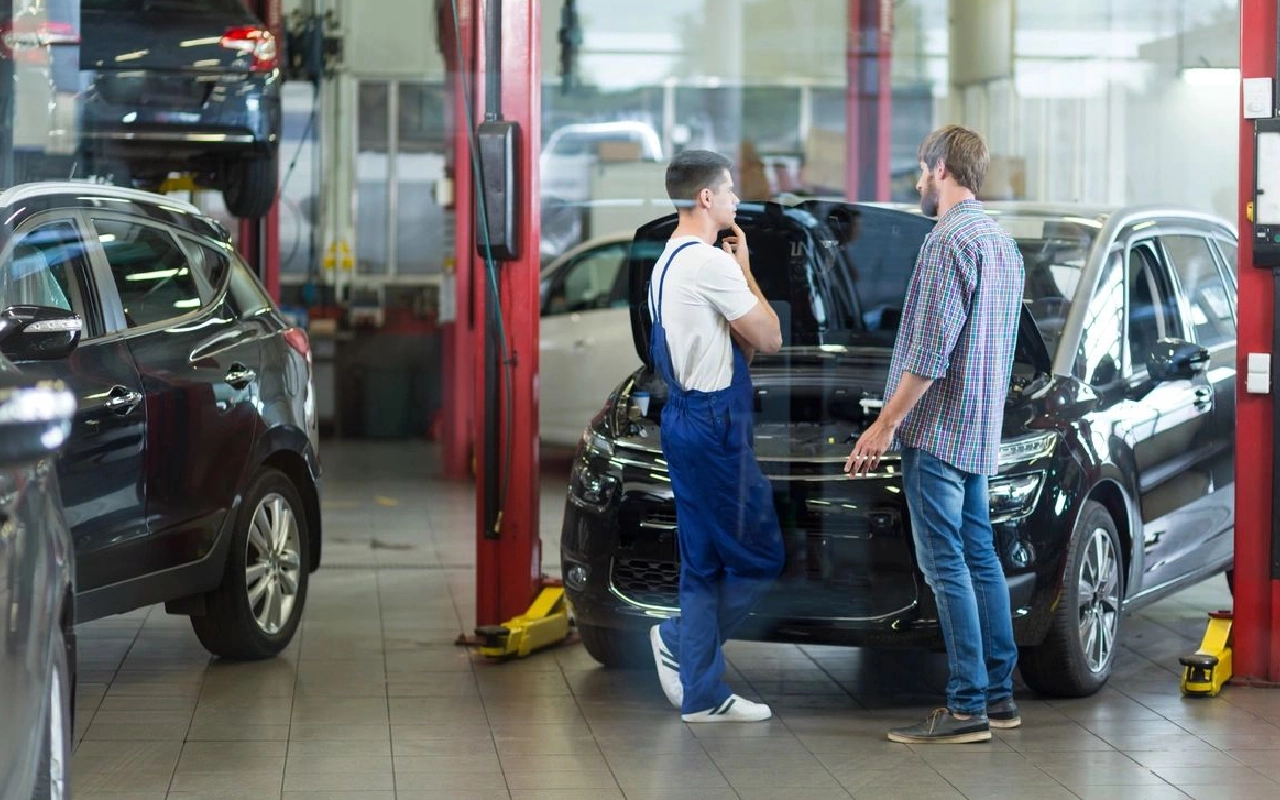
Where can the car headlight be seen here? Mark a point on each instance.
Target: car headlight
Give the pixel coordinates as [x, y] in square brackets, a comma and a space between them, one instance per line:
[1027, 448]
[1014, 496]
[590, 482]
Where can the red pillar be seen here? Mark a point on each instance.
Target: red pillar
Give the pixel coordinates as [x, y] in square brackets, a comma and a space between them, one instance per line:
[1256, 626]
[458, 414]
[869, 104]
[259, 239]
[509, 567]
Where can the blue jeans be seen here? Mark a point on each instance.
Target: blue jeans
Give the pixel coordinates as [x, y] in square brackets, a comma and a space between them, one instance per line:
[955, 548]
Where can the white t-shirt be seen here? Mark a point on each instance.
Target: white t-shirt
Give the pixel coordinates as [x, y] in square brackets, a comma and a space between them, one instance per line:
[704, 290]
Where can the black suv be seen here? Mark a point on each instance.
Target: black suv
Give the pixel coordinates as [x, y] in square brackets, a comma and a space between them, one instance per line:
[1116, 470]
[182, 85]
[191, 474]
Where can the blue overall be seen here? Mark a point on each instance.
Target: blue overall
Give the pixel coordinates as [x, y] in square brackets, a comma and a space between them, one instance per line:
[727, 528]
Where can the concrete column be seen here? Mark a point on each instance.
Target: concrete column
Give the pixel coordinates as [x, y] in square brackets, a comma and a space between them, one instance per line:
[980, 68]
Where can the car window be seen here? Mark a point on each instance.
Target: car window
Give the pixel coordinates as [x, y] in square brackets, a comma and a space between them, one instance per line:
[1101, 340]
[1229, 255]
[1208, 297]
[44, 268]
[210, 267]
[150, 270]
[1152, 315]
[246, 295]
[587, 283]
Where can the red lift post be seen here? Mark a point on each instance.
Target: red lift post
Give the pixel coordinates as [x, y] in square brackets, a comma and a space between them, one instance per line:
[516, 609]
[1256, 624]
[869, 104]
[259, 239]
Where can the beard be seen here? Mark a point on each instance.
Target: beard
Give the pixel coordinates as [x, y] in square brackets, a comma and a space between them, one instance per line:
[929, 198]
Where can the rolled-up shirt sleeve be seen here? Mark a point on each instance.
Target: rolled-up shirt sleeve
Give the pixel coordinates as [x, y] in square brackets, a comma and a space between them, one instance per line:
[943, 284]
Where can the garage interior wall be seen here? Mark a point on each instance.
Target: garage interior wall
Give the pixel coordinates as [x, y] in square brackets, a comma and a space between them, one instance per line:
[1096, 101]
[1093, 102]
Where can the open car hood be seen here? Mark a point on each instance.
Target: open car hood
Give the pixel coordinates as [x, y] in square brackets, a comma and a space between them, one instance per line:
[836, 272]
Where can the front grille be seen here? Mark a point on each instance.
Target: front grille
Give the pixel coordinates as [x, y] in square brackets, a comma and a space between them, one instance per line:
[648, 583]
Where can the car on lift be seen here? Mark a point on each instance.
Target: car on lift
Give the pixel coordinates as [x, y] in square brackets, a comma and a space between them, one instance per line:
[191, 474]
[37, 654]
[186, 86]
[1116, 476]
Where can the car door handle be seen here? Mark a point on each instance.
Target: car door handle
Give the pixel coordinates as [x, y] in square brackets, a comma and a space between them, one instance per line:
[581, 344]
[240, 376]
[122, 400]
[1204, 396]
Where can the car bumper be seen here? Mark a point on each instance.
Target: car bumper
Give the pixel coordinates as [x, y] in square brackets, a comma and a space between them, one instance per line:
[850, 578]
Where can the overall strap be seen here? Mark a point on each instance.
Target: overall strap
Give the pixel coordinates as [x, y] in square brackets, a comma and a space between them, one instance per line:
[662, 282]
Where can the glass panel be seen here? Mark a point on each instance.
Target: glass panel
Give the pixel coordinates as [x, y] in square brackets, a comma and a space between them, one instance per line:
[1208, 297]
[372, 175]
[150, 270]
[43, 268]
[420, 235]
[300, 187]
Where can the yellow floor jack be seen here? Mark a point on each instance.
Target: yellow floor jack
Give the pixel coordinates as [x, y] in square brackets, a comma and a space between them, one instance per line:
[1205, 670]
[546, 623]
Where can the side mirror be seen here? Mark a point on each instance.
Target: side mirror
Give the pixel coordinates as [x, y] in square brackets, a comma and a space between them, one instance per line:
[38, 333]
[1174, 360]
[35, 420]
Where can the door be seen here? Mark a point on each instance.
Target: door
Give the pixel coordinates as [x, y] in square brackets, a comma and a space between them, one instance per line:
[585, 348]
[101, 467]
[1166, 422]
[199, 365]
[1205, 537]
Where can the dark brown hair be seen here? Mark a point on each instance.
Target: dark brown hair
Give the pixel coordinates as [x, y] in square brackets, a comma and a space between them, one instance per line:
[962, 150]
[692, 171]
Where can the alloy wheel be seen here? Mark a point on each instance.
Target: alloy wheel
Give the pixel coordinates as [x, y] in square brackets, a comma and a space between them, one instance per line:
[1098, 587]
[273, 566]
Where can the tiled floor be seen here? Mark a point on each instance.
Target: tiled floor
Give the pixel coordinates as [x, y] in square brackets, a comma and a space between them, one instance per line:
[373, 700]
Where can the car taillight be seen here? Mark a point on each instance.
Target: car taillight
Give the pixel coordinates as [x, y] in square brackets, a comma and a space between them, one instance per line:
[297, 339]
[254, 42]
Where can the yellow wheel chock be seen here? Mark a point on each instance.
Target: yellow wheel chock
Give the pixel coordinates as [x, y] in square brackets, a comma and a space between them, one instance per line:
[545, 623]
[1205, 670]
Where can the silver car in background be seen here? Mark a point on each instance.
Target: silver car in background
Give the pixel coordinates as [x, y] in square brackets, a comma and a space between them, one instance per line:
[37, 644]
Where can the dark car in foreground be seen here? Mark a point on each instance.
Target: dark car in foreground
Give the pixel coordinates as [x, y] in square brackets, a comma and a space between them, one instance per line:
[37, 645]
[183, 85]
[1115, 483]
[191, 474]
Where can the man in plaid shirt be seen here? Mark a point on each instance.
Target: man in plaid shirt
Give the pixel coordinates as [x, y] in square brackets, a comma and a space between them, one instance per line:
[947, 386]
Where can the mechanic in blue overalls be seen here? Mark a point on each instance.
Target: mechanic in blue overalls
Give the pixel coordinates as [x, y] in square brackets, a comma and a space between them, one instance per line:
[709, 319]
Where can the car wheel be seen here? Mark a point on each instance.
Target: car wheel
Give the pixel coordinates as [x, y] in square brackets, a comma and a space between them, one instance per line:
[53, 777]
[249, 186]
[256, 610]
[1076, 657]
[616, 648]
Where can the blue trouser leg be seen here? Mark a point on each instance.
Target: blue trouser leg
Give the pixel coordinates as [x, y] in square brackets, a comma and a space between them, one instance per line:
[990, 589]
[936, 498]
[730, 546]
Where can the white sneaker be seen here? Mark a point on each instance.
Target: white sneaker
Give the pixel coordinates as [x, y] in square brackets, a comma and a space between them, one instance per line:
[735, 709]
[668, 669]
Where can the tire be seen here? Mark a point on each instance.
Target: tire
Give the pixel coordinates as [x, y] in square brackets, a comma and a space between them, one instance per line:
[1075, 660]
[249, 186]
[53, 779]
[234, 626]
[617, 649]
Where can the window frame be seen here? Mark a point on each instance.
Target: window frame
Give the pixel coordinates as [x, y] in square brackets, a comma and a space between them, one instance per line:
[560, 276]
[1189, 328]
[1168, 293]
[93, 313]
[110, 293]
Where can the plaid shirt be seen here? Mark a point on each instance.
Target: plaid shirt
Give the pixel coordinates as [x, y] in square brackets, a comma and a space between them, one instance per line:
[958, 328]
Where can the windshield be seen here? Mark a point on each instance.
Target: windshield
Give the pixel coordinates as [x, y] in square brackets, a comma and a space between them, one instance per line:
[1054, 252]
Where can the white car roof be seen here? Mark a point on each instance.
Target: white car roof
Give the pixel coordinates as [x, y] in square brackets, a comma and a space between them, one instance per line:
[26, 191]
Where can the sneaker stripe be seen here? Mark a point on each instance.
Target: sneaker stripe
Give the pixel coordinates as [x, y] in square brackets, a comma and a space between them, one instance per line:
[669, 664]
[725, 706]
